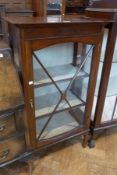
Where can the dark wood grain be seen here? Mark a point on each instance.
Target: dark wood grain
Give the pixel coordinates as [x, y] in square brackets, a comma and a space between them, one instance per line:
[7, 125]
[11, 148]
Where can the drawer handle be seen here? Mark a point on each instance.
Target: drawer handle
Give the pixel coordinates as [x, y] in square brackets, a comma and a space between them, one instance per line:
[4, 154]
[2, 128]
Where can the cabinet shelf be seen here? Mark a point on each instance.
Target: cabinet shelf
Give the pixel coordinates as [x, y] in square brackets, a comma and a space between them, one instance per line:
[58, 73]
[61, 122]
[45, 104]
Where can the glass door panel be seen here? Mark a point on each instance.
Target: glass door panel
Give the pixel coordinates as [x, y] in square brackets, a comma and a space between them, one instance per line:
[60, 123]
[60, 89]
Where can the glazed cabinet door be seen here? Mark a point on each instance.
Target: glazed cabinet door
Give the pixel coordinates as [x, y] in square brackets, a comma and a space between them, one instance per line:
[61, 91]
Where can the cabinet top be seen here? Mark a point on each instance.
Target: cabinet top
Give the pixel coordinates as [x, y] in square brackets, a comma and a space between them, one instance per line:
[26, 21]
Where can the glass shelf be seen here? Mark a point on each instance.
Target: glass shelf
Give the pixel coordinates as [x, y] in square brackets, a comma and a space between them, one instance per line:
[48, 96]
[58, 73]
[61, 122]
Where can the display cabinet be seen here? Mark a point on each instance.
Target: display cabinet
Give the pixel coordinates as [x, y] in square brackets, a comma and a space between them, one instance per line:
[53, 76]
[105, 115]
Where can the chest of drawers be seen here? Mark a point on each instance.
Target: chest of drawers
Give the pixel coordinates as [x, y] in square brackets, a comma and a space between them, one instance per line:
[12, 141]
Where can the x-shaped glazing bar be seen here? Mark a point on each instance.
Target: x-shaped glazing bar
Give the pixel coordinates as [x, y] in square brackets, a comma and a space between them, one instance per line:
[63, 95]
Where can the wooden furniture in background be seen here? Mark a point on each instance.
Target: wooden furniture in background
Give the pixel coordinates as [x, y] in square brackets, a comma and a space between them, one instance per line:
[19, 12]
[76, 6]
[5, 49]
[17, 3]
[41, 7]
[106, 115]
[12, 140]
[59, 7]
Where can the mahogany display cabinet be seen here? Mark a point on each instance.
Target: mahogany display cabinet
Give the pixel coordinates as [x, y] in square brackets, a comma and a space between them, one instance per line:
[105, 114]
[53, 75]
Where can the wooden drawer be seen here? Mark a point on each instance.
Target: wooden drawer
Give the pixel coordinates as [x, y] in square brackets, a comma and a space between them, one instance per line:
[10, 123]
[7, 126]
[11, 148]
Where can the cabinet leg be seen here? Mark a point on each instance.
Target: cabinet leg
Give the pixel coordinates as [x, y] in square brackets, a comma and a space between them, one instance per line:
[91, 142]
[30, 167]
[85, 141]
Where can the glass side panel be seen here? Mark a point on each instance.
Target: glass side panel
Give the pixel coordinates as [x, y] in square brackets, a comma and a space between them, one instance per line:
[112, 85]
[60, 89]
[110, 107]
[110, 111]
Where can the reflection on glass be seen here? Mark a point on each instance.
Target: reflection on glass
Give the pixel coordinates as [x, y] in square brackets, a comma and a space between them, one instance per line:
[54, 4]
